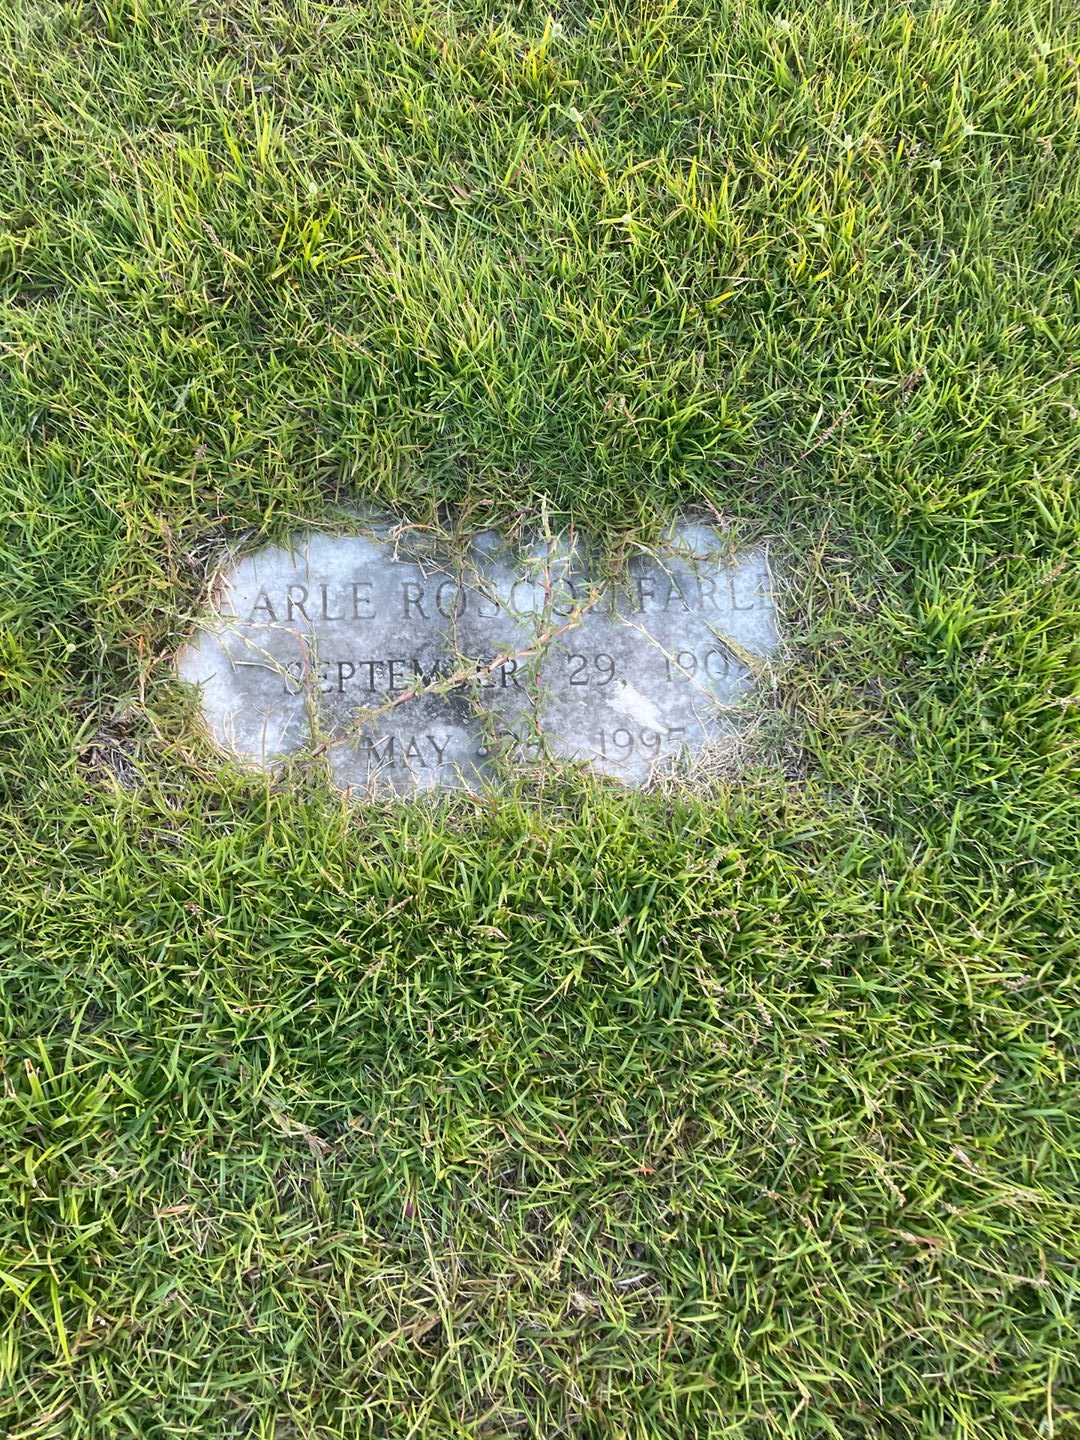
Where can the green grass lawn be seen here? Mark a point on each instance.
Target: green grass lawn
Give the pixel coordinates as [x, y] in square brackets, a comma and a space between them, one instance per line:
[751, 1113]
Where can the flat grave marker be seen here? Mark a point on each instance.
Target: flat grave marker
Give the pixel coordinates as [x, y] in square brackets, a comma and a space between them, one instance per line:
[413, 668]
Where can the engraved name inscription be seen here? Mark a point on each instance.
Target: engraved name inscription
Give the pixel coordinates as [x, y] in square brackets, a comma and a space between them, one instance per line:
[449, 599]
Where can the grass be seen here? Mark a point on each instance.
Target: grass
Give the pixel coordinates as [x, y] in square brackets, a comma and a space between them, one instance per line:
[749, 1113]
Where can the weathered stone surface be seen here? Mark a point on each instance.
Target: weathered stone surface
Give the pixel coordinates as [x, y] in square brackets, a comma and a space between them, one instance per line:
[412, 668]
